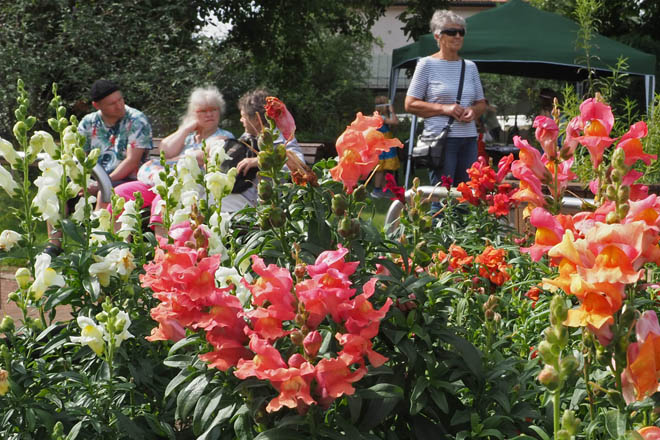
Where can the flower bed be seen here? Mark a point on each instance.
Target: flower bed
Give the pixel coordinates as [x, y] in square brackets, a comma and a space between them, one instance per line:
[299, 319]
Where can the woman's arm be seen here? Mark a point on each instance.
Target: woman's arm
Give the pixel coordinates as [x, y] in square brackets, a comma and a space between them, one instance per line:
[173, 144]
[427, 109]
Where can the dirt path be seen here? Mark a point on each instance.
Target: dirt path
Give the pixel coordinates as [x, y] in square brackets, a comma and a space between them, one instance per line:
[8, 285]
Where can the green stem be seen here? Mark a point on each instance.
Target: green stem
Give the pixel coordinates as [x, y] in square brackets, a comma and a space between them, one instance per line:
[555, 412]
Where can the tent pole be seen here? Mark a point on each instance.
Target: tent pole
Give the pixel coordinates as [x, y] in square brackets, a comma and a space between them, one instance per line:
[411, 143]
[394, 80]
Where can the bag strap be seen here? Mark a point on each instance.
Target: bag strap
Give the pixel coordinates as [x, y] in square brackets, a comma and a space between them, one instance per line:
[460, 91]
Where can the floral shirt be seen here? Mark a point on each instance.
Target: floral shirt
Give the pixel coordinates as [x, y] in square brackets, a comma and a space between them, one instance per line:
[132, 130]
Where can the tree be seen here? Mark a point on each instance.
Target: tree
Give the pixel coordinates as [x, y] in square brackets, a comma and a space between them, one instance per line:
[148, 47]
[418, 14]
[314, 54]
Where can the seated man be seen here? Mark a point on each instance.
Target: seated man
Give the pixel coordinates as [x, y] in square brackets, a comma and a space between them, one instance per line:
[122, 133]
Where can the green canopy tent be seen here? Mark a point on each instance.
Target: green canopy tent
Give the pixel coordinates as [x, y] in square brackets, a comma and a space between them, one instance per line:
[518, 39]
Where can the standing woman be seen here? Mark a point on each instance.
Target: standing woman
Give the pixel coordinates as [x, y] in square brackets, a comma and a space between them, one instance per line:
[432, 96]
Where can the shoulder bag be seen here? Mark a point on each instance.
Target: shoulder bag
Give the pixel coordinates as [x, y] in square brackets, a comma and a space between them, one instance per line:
[430, 149]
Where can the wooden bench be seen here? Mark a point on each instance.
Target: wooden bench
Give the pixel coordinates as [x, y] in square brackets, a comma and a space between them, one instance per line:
[312, 151]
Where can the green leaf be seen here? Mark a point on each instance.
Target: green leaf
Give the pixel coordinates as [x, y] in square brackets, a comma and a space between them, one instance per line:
[439, 399]
[281, 434]
[420, 386]
[205, 410]
[180, 378]
[540, 432]
[73, 434]
[491, 433]
[467, 351]
[179, 360]
[183, 343]
[188, 396]
[242, 427]
[615, 423]
[222, 416]
[382, 391]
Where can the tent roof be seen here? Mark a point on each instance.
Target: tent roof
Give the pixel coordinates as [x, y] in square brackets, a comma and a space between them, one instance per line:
[518, 39]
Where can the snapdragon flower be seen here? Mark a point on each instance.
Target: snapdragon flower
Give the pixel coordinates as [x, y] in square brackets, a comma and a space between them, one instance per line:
[7, 151]
[8, 239]
[44, 277]
[91, 335]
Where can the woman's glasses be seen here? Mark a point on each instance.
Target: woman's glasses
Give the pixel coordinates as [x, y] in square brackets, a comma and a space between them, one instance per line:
[453, 32]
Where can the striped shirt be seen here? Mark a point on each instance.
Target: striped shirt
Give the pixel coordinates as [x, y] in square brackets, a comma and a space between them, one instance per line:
[437, 81]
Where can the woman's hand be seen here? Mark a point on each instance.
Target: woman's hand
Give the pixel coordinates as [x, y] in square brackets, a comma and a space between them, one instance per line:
[468, 115]
[456, 111]
[246, 165]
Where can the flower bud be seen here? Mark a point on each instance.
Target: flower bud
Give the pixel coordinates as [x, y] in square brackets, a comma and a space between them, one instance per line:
[569, 422]
[80, 154]
[623, 210]
[7, 324]
[93, 155]
[265, 190]
[563, 434]
[277, 217]
[296, 337]
[312, 343]
[296, 360]
[30, 121]
[339, 205]
[102, 317]
[20, 130]
[23, 277]
[610, 192]
[360, 193]
[615, 398]
[549, 377]
[611, 218]
[345, 227]
[4, 382]
[619, 159]
[624, 193]
[616, 175]
[300, 271]
[547, 353]
[61, 111]
[14, 296]
[558, 310]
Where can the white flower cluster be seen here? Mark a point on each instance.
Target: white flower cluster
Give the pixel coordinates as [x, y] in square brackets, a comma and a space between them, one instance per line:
[96, 335]
[119, 262]
[187, 189]
[44, 277]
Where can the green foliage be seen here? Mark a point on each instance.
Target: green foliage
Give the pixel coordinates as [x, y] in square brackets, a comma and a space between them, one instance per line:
[417, 15]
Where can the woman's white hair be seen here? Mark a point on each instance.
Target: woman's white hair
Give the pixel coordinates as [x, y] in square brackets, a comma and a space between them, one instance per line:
[442, 17]
[208, 96]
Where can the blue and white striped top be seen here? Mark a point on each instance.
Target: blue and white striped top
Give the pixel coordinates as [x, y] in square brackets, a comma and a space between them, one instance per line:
[436, 81]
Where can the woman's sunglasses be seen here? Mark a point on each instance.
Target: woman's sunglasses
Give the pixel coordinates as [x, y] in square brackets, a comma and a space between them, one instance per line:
[453, 32]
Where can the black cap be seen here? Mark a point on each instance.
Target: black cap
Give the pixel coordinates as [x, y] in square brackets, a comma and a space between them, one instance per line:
[102, 88]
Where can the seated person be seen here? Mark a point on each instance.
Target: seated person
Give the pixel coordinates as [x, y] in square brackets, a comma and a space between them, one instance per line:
[122, 133]
[252, 106]
[206, 106]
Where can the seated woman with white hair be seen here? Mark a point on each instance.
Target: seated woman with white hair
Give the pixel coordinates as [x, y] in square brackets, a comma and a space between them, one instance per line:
[206, 106]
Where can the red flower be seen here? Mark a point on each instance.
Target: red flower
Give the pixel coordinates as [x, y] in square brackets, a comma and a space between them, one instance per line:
[358, 149]
[493, 265]
[335, 378]
[398, 191]
[446, 181]
[277, 111]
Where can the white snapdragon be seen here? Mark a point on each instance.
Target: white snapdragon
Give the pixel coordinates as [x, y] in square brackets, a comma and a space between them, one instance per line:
[216, 151]
[220, 184]
[91, 334]
[48, 185]
[128, 220]
[122, 323]
[69, 140]
[7, 151]
[8, 239]
[7, 181]
[44, 277]
[79, 210]
[226, 276]
[42, 140]
[117, 262]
